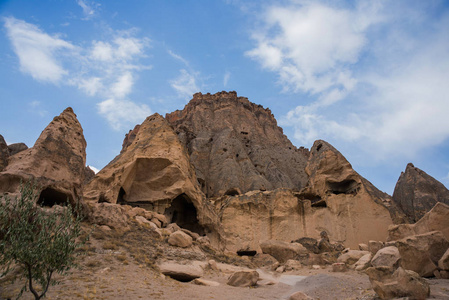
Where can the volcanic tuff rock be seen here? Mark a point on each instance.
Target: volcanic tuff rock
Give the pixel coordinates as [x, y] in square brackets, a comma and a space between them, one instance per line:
[416, 192]
[236, 146]
[4, 153]
[153, 171]
[57, 161]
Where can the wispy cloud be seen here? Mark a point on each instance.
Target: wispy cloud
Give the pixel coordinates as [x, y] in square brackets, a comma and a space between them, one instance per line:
[106, 69]
[120, 113]
[39, 53]
[88, 8]
[374, 76]
[185, 84]
[226, 77]
[36, 107]
[178, 57]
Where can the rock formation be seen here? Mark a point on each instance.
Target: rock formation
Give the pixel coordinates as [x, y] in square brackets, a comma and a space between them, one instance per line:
[56, 162]
[4, 153]
[153, 171]
[16, 148]
[416, 192]
[236, 146]
[336, 200]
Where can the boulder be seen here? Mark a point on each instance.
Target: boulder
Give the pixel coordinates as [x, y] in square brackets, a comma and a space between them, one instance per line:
[363, 247]
[56, 163]
[181, 272]
[283, 251]
[388, 256]
[200, 281]
[443, 263]
[351, 256]
[400, 283]
[299, 296]
[309, 243]
[263, 260]
[16, 148]
[180, 239]
[339, 267]
[243, 278]
[416, 192]
[292, 264]
[111, 215]
[421, 253]
[363, 262]
[236, 146]
[374, 246]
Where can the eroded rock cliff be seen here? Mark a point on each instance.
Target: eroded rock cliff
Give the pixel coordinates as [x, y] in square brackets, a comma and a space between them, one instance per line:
[416, 193]
[56, 162]
[236, 146]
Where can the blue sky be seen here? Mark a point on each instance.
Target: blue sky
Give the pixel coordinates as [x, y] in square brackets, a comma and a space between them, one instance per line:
[370, 77]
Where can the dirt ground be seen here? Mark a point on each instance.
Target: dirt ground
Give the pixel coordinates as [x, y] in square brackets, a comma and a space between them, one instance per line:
[124, 267]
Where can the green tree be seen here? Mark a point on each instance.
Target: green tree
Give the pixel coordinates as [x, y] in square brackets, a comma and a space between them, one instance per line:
[38, 242]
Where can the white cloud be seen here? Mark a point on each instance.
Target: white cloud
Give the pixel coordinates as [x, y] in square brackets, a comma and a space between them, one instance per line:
[178, 57]
[88, 9]
[102, 51]
[226, 78]
[36, 107]
[375, 77]
[123, 113]
[185, 84]
[38, 52]
[122, 87]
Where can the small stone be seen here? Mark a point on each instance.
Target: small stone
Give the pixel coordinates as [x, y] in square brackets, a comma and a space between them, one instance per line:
[243, 278]
[339, 267]
[200, 281]
[299, 296]
[180, 239]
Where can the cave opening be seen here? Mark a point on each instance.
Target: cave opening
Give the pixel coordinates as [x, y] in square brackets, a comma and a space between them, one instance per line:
[183, 212]
[246, 252]
[348, 186]
[232, 192]
[49, 197]
[121, 196]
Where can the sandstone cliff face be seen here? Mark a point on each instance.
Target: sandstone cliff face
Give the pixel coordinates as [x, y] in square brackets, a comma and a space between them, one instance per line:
[56, 162]
[416, 192]
[153, 171]
[4, 153]
[236, 146]
[336, 199]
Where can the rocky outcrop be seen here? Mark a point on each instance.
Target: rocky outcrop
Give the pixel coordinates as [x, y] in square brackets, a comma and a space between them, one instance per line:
[4, 153]
[56, 162]
[437, 219]
[236, 146]
[16, 148]
[153, 172]
[416, 192]
[400, 283]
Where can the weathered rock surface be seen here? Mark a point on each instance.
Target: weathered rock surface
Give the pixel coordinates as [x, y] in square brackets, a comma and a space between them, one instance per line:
[153, 171]
[400, 283]
[388, 256]
[374, 246]
[284, 251]
[443, 263]
[437, 219]
[416, 192]
[181, 272]
[243, 278]
[236, 146]
[351, 256]
[57, 161]
[299, 296]
[421, 253]
[180, 239]
[364, 262]
[16, 148]
[4, 153]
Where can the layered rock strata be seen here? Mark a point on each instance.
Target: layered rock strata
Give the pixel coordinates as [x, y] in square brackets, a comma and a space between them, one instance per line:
[56, 162]
[416, 193]
[236, 146]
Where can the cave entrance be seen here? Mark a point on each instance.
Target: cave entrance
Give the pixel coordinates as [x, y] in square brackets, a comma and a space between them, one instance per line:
[347, 186]
[121, 196]
[183, 212]
[49, 197]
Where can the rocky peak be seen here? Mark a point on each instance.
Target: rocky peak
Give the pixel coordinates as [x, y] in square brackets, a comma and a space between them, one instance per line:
[236, 145]
[57, 160]
[416, 192]
[4, 153]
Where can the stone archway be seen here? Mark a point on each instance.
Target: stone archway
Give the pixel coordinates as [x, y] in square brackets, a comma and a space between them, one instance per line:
[183, 212]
